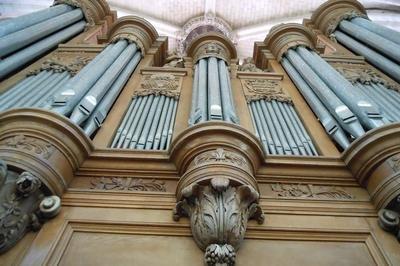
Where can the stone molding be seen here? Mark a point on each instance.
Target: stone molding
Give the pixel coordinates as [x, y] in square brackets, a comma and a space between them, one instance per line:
[327, 16]
[95, 11]
[45, 144]
[285, 36]
[212, 44]
[134, 29]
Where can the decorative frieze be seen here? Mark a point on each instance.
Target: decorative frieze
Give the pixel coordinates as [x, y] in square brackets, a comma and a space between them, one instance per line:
[365, 75]
[264, 89]
[211, 49]
[23, 206]
[218, 215]
[22, 142]
[62, 62]
[127, 183]
[309, 191]
[159, 84]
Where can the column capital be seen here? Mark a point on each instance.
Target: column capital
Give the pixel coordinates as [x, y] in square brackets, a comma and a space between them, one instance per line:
[212, 44]
[134, 29]
[95, 11]
[284, 36]
[328, 15]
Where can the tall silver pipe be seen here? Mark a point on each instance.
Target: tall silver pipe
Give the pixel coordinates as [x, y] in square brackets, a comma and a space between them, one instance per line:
[16, 24]
[387, 101]
[157, 138]
[201, 112]
[292, 131]
[20, 58]
[254, 121]
[98, 116]
[269, 126]
[14, 41]
[123, 123]
[385, 32]
[376, 59]
[392, 93]
[234, 117]
[66, 101]
[164, 134]
[16, 89]
[195, 89]
[172, 124]
[329, 123]
[383, 45]
[149, 117]
[127, 132]
[96, 93]
[261, 130]
[17, 95]
[45, 100]
[214, 93]
[226, 93]
[133, 122]
[155, 123]
[368, 114]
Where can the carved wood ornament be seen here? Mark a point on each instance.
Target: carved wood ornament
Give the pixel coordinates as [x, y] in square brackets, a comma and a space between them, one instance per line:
[23, 206]
[159, 84]
[265, 89]
[128, 183]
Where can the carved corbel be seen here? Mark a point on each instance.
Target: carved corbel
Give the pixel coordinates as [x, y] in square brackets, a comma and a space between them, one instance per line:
[218, 215]
[23, 205]
[219, 194]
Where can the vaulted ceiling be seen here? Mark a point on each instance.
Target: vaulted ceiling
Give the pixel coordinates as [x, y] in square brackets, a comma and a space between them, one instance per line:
[248, 21]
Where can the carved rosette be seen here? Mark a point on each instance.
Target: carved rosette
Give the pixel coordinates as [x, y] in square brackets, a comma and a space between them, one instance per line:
[218, 215]
[23, 205]
[159, 84]
[328, 16]
[265, 89]
[365, 75]
[95, 11]
[219, 194]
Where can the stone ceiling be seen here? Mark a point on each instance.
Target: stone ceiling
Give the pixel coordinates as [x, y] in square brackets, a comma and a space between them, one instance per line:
[246, 21]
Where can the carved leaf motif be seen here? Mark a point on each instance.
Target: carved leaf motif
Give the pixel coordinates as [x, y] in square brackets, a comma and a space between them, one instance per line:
[85, 9]
[264, 89]
[309, 191]
[221, 156]
[395, 163]
[63, 62]
[127, 183]
[249, 66]
[334, 22]
[23, 142]
[159, 84]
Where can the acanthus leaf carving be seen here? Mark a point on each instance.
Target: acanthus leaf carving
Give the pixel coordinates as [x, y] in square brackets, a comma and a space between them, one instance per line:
[23, 206]
[309, 191]
[63, 62]
[218, 215]
[23, 142]
[128, 183]
[159, 84]
[265, 89]
[364, 75]
[334, 22]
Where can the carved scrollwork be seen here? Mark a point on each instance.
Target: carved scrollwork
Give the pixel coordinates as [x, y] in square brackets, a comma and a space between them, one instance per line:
[218, 216]
[211, 49]
[390, 221]
[249, 66]
[309, 191]
[265, 89]
[364, 75]
[128, 183]
[23, 206]
[22, 142]
[63, 62]
[334, 22]
[159, 84]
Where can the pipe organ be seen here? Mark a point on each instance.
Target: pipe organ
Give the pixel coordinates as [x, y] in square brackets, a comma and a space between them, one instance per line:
[128, 154]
